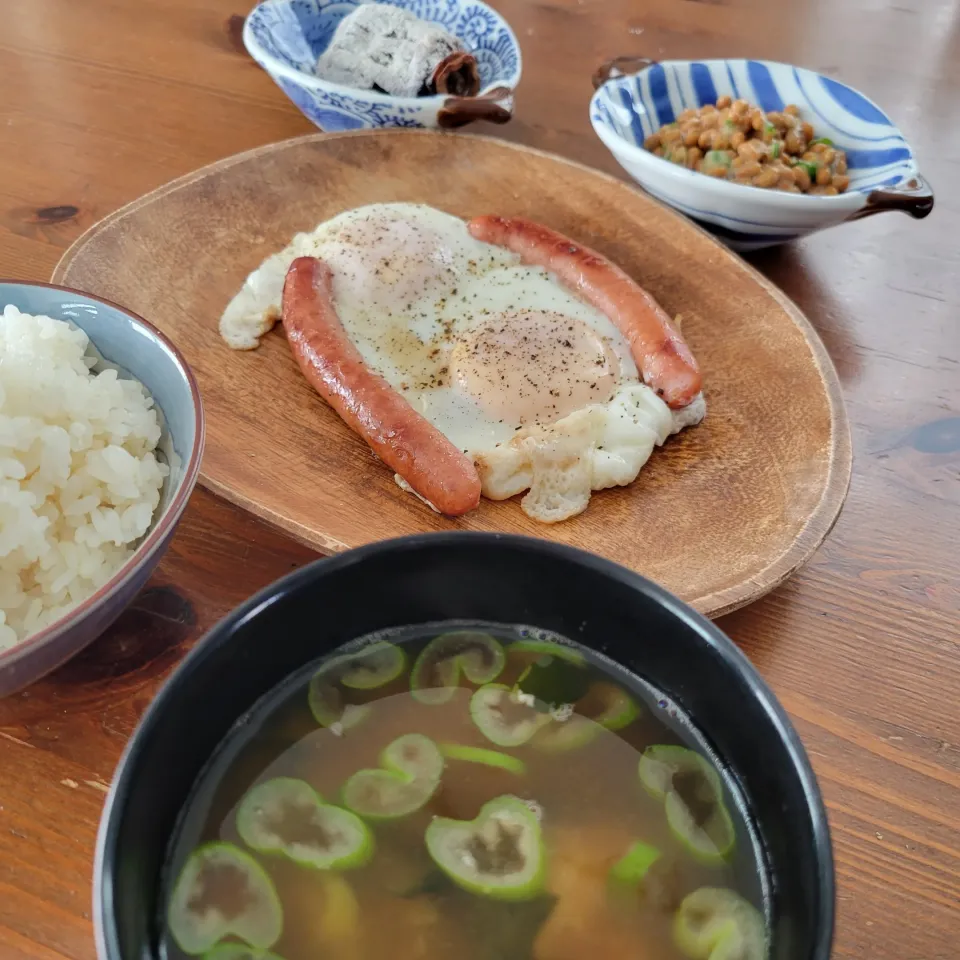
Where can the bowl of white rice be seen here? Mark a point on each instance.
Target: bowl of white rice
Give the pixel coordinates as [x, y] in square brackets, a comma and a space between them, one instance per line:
[101, 434]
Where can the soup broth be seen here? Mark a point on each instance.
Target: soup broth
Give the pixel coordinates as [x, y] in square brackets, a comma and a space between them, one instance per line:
[464, 791]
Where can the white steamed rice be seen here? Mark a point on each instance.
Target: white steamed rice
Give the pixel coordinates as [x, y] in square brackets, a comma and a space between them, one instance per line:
[79, 475]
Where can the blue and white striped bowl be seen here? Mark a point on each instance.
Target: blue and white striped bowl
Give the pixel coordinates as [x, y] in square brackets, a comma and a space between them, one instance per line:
[287, 36]
[629, 106]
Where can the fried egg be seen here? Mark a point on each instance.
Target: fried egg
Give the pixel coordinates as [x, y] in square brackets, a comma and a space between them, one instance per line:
[538, 387]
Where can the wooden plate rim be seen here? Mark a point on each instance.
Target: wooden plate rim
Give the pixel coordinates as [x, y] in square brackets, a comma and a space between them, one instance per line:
[823, 517]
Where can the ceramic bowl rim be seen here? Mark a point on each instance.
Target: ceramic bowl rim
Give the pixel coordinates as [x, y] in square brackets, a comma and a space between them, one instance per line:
[167, 519]
[849, 201]
[223, 632]
[273, 65]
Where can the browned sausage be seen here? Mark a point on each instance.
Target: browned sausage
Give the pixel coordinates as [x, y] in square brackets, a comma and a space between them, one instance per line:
[661, 354]
[397, 434]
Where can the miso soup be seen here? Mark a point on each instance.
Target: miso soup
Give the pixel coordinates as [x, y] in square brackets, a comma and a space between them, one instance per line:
[464, 792]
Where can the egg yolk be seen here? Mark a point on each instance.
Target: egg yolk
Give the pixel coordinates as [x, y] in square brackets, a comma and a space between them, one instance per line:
[389, 262]
[534, 366]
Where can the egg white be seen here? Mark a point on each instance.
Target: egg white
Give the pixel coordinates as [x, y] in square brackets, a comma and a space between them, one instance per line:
[422, 300]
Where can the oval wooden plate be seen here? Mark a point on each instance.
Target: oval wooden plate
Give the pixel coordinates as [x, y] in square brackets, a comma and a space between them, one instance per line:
[720, 515]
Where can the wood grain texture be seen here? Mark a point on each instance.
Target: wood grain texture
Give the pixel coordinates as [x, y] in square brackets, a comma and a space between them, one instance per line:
[104, 101]
[720, 515]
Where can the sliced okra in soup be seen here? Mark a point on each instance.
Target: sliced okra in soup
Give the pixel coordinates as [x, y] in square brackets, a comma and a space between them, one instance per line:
[505, 716]
[633, 867]
[328, 705]
[372, 667]
[409, 774]
[500, 854]
[222, 892]
[605, 706]
[368, 669]
[692, 794]
[437, 670]
[566, 731]
[609, 705]
[239, 951]
[287, 816]
[645, 874]
[714, 923]
[487, 758]
[659, 763]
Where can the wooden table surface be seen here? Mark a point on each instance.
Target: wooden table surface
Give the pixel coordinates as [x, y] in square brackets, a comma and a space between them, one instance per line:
[103, 100]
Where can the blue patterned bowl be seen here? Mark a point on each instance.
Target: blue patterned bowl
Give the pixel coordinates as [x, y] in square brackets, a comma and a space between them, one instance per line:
[138, 350]
[286, 36]
[635, 97]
